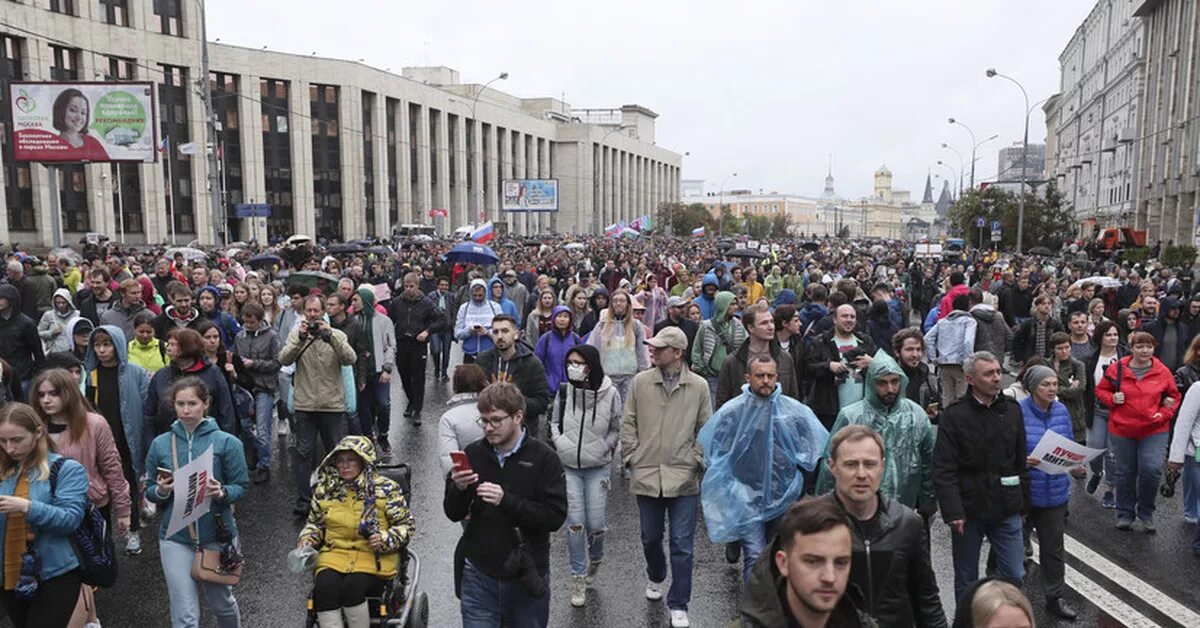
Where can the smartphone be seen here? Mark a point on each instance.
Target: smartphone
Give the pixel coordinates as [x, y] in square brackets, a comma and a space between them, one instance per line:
[164, 472]
[459, 458]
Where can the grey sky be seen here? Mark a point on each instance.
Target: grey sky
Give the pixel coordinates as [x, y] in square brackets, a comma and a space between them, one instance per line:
[766, 89]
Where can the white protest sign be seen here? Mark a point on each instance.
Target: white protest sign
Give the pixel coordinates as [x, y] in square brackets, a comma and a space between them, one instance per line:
[1059, 454]
[192, 499]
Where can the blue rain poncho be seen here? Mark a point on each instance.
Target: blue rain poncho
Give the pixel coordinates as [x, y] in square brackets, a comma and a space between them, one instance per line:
[754, 448]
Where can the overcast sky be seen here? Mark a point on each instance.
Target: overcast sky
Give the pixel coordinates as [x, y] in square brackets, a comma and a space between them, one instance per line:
[765, 89]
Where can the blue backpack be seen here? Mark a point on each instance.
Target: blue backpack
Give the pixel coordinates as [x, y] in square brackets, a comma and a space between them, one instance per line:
[92, 541]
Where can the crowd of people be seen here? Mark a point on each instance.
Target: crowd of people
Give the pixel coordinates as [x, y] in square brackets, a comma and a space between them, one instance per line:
[818, 401]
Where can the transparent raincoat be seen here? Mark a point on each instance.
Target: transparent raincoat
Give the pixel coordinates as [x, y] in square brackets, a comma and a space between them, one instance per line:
[754, 448]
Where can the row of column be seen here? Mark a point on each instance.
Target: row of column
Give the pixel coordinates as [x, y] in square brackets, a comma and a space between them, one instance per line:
[629, 186]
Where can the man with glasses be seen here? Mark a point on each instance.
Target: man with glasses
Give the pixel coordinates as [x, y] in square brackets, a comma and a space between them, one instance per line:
[515, 493]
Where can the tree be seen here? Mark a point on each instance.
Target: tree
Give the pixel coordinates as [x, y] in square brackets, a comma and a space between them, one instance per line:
[679, 219]
[844, 232]
[729, 222]
[1047, 220]
[757, 227]
[779, 226]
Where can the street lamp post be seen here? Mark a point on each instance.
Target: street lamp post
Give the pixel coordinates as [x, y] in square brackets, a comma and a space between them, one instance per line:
[721, 206]
[481, 211]
[992, 73]
[220, 221]
[953, 174]
[962, 165]
[973, 147]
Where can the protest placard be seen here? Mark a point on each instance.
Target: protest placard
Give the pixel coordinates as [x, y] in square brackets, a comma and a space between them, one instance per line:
[192, 499]
[1059, 455]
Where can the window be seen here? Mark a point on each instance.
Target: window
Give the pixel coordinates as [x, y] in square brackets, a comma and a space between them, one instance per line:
[121, 69]
[17, 179]
[170, 17]
[66, 7]
[327, 159]
[64, 63]
[116, 12]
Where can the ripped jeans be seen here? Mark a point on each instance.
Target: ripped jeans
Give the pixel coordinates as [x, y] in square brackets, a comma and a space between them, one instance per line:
[587, 498]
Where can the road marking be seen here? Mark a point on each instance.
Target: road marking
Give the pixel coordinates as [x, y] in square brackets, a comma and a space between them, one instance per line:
[1132, 583]
[1105, 601]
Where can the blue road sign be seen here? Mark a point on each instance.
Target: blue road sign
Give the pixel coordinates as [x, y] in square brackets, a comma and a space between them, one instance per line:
[252, 210]
[995, 225]
[979, 222]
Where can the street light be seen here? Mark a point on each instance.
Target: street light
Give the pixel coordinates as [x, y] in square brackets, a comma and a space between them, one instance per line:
[962, 164]
[596, 218]
[992, 73]
[953, 173]
[721, 206]
[973, 145]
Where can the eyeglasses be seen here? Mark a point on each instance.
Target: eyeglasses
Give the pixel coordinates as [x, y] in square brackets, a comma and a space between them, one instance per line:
[493, 423]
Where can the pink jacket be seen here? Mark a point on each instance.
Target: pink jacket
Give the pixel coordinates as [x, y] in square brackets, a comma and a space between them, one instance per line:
[97, 452]
[947, 302]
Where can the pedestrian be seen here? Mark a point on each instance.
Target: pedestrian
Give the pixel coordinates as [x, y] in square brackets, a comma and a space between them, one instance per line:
[208, 300]
[1108, 351]
[440, 342]
[145, 350]
[836, 362]
[992, 333]
[360, 525]
[1082, 346]
[506, 467]
[760, 327]
[1049, 494]
[129, 305]
[98, 298]
[980, 474]
[950, 343]
[761, 451]
[516, 293]
[416, 318]
[666, 407]
[256, 359]
[473, 324]
[511, 360]
[718, 336]
[1142, 397]
[551, 347]
[458, 426]
[185, 350]
[191, 434]
[177, 315]
[620, 339]
[805, 581]
[889, 537]
[320, 395]
[1182, 455]
[37, 520]
[922, 388]
[993, 604]
[585, 427]
[1032, 337]
[541, 317]
[20, 345]
[1071, 383]
[52, 328]
[677, 316]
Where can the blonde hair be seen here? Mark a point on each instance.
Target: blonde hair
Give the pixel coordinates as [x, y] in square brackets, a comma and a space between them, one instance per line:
[627, 324]
[991, 595]
[27, 418]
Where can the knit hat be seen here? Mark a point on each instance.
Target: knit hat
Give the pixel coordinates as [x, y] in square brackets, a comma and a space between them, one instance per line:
[1034, 376]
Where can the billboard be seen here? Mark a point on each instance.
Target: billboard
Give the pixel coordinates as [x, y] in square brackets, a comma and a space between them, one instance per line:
[530, 195]
[83, 121]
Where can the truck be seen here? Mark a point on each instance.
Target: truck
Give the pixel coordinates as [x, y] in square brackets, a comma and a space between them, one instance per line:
[1115, 238]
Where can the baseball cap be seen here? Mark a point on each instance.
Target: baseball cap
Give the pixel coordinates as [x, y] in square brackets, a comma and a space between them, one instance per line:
[676, 302]
[669, 337]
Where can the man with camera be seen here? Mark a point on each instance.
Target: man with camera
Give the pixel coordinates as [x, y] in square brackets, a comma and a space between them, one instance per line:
[837, 360]
[319, 400]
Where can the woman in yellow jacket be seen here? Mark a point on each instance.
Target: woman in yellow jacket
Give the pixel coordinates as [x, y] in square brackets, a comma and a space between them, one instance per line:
[359, 523]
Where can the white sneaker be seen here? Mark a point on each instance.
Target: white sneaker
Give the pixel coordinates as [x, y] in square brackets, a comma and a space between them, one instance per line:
[654, 590]
[578, 591]
[282, 429]
[149, 509]
[133, 544]
[679, 619]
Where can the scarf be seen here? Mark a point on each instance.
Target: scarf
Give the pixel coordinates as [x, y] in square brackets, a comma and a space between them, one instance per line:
[367, 321]
[17, 535]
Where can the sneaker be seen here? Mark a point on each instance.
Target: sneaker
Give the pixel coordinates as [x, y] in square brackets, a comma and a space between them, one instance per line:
[282, 430]
[133, 544]
[578, 591]
[1148, 526]
[385, 448]
[679, 619]
[149, 509]
[1093, 483]
[654, 590]
[1109, 501]
[1190, 520]
[1124, 524]
[593, 569]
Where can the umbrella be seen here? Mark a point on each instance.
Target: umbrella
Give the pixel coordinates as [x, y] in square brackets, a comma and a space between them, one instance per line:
[348, 248]
[1099, 280]
[472, 253]
[747, 253]
[1041, 250]
[810, 245]
[724, 245]
[297, 239]
[68, 252]
[324, 282]
[381, 249]
[190, 254]
[574, 246]
[264, 260]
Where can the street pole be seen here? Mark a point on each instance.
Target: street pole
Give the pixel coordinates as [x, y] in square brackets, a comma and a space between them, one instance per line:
[973, 147]
[55, 216]
[120, 204]
[991, 73]
[962, 166]
[210, 133]
[721, 207]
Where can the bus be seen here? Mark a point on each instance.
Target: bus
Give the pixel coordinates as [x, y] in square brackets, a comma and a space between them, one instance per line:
[409, 230]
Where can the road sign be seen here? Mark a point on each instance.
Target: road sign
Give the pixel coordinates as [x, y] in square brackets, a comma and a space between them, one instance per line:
[252, 210]
[995, 226]
[979, 222]
[995, 236]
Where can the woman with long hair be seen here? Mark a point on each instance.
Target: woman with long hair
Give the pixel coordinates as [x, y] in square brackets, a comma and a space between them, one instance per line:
[193, 432]
[45, 591]
[1143, 398]
[551, 348]
[1108, 350]
[621, 342]
[269, 299]
[458, 427]
[241, 296]
[540, 319]
[185, 350]
[654, 299]
[1095, 312]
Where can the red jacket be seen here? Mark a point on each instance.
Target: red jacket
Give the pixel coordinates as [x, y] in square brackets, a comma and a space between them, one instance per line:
[1143, 412]
[947, 302]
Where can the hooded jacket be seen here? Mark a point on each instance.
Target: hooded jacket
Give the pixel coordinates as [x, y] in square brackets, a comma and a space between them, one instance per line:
[732, 377]
[472, 313]
[343, 514]
[506, 304]
[380, 357]
[952, 339]
[552, 348]
[621, 356]
[120, 316]
[229, 468]
[159, 411]
[762, 604]
[171, 319]
[593, 315]
[52, 329]
[225, 322]
[946, 305]
[526, 372]
[907, 437]
[1143, 412]
[992, 333]
[1046, 490]
[585, 419]
[812, 312]
[707, 304]
[43, 287]
[133, 385]
[19, 341]
[753, 447]
[261, 347]
[150, 356]
[717, 338]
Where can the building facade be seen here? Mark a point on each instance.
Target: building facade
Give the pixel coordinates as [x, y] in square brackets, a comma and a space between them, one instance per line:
[1009, 161]
[339, 149]
[1093, 124]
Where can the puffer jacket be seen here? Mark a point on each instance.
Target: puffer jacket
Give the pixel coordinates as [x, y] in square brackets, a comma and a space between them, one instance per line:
[992, 334]
[952, 339]
[907, 436]
[585, 417]
[1046, 490]
[1143, 412]
[52, 329]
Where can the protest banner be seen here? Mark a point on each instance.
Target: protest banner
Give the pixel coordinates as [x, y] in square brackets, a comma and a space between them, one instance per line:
[192, 499]
[1059, 455]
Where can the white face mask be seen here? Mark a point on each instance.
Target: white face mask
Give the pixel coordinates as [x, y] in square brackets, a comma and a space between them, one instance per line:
[576, 372]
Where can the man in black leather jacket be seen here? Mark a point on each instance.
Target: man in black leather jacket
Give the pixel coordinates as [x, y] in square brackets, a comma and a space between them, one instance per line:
[890, 564]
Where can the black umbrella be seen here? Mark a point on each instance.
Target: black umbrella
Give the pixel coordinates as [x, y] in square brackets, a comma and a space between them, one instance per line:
[810, 245]
[348, 248]
[324, 282]
[748, 253]
[264, 260]
[381, 249]
[1041, 250]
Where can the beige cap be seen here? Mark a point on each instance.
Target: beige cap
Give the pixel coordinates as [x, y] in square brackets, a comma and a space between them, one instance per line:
[669, 337]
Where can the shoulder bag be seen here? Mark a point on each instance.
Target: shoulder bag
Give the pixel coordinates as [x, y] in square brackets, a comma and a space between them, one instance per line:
[220, 566]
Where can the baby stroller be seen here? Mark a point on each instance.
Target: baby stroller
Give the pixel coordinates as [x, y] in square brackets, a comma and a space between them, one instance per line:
[401, 605]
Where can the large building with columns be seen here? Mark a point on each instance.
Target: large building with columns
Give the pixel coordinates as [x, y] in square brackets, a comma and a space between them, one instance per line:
[339, 149]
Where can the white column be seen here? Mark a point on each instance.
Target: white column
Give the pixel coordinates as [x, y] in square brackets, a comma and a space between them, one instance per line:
[404, 165]
[490, 168]
[533, 170]
[379, 158]
[423, 190]
[550, 221]
[520, 172]
[300, 127]
[461, 209]
[250, 134]
[506, 172]
[477, 176]
[441, 195]
[350, 144]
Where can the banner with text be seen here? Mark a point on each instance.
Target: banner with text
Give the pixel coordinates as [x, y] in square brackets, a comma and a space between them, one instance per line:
[93, 122]
[1059, 455]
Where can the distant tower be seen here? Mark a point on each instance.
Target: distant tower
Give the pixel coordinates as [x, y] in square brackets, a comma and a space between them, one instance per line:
[829, 193]
[883, 184]
[928, 199]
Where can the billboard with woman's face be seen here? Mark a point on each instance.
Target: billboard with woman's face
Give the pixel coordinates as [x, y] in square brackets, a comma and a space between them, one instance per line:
[83, 122]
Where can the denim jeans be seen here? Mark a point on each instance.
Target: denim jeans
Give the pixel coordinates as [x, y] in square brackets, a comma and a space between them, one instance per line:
[682, 512]
[374, 407]
[439, 350]
[1137, 470]
[332, 428]
[264, 411]
[489, 602]
[587, 499]
[712, 391]
[176, 559]
[1097, 438]
[752, 547]
[1191, 487]
[1007, 543]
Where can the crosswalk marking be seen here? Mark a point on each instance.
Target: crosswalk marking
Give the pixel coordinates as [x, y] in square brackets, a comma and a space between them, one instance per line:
[1105, 601]
[1132, 583]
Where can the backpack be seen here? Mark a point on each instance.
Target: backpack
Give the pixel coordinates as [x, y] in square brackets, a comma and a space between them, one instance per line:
[92, 541]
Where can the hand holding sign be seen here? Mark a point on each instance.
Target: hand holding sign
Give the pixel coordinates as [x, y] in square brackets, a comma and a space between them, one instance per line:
[1056, 455]
[194, 488]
